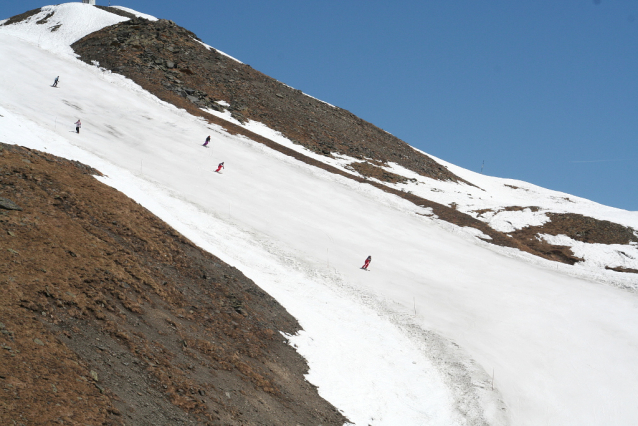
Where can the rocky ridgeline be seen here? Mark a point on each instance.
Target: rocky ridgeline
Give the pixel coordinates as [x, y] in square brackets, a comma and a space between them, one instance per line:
[168, 59]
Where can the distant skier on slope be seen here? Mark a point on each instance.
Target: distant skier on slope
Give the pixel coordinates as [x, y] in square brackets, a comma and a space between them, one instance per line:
[78, 124]
[207, 141]
[367, 263]
[55, 82]
[221, 166]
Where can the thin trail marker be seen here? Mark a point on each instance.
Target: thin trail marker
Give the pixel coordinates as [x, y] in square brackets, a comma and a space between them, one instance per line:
[414, 300]
[492, 379]
[483, 165]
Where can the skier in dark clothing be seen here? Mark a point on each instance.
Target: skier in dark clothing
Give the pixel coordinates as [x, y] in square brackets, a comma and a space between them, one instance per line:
[221, 166]
[78, 124]
[367, 263]
[55, 82]
[206, 143]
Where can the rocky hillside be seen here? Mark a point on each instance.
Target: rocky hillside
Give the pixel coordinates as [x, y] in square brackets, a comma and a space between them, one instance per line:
[110, 317]
[170, 60]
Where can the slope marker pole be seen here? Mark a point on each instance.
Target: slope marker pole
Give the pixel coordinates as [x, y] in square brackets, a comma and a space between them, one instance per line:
[492, 378]
[414, 300]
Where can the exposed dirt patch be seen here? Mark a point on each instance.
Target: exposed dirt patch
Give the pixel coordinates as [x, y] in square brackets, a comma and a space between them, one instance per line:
[519, 208]
[620, 269]
[588, 229]
[481, 212]
[371, 171]
[515, 187]
[45, 19]
[111, 317]
[171, 60]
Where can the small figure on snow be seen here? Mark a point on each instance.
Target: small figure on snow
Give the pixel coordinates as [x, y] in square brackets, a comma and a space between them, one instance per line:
[367, 263]
[206, 143]
[55, 82]
[221, 166]
[78, 124]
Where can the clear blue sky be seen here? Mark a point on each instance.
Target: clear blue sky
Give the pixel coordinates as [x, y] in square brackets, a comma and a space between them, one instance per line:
[544, 91]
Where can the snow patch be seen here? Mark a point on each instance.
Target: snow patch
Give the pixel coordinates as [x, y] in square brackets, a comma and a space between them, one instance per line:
[69, 23]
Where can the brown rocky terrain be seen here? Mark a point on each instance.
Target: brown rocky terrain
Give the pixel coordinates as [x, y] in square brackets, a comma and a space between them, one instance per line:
[110, 317]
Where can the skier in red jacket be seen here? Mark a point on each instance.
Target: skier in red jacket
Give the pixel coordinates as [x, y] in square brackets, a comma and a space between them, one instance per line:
[221, 166]
[367, 263]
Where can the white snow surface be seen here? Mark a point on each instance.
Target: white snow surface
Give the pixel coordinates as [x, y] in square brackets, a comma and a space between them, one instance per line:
[68, 23]
[414, 341]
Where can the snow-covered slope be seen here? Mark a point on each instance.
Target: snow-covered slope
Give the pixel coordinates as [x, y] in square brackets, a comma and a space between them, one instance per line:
[416, 340]
[55, 28]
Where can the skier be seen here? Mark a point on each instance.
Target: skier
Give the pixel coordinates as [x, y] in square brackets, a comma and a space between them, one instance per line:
[206, 143]
[55, 82]
[367, 263]
[78, 124]
[221, 166]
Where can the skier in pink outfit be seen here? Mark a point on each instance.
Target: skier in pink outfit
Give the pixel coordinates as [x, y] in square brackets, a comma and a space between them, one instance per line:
[221, 166]
[206, 142]
[367, 263]
[78, 124]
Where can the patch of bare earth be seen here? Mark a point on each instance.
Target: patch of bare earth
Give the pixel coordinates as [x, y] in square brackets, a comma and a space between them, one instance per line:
[109, 317]
[368, 170]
